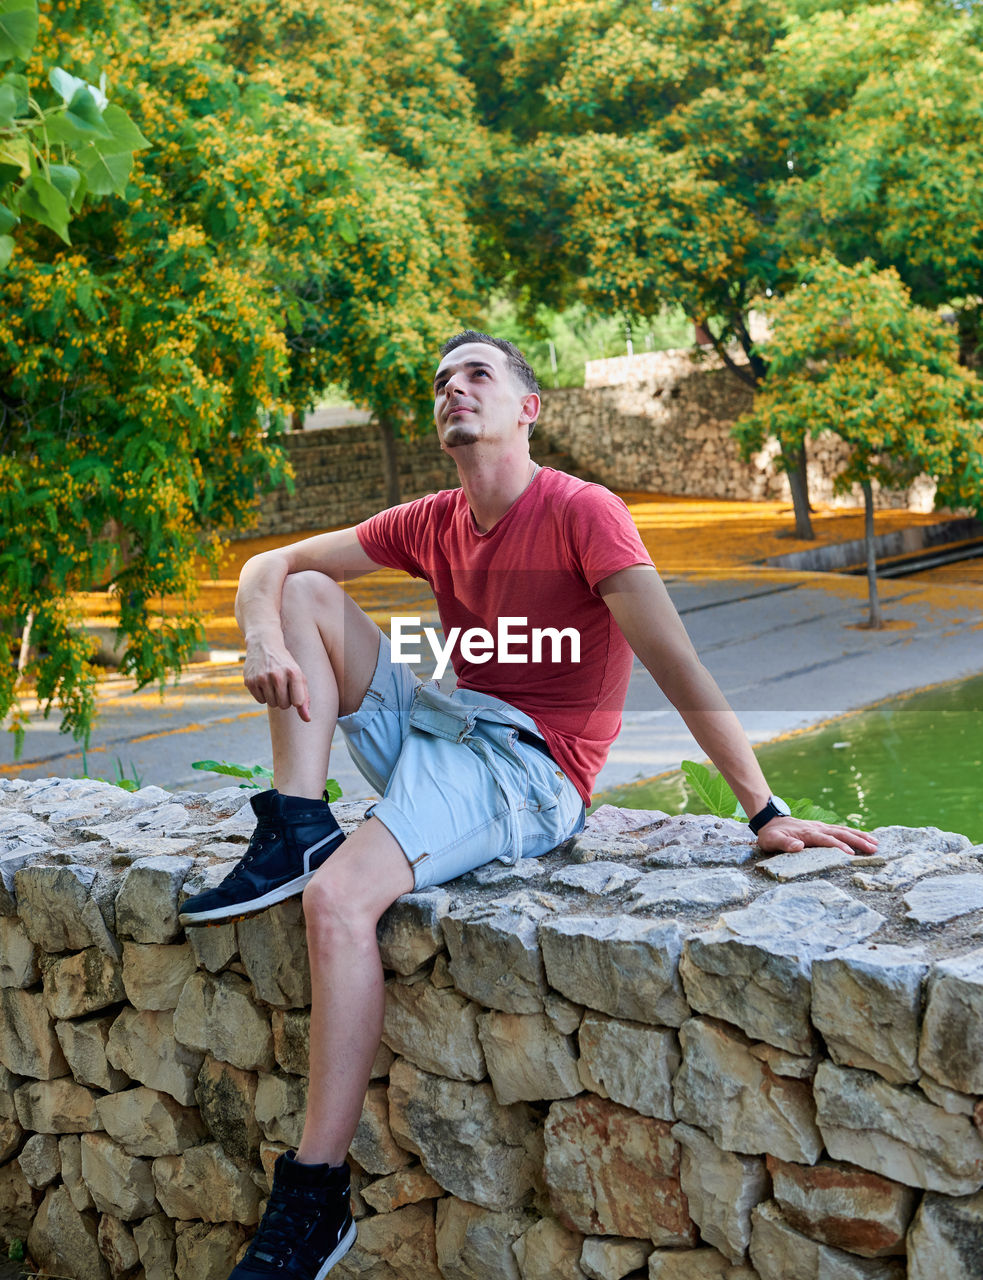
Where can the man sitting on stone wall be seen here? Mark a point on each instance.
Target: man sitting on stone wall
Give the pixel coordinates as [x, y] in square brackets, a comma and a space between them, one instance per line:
[544, 591]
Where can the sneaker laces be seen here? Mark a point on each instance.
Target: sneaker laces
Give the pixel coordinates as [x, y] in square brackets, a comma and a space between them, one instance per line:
[282, 1227]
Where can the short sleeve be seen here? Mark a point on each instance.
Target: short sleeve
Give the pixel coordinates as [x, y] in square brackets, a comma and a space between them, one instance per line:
[604, 535]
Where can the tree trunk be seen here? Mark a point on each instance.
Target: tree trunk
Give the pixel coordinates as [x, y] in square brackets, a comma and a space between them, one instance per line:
[390, 463]
[798, 483]
[876, 622]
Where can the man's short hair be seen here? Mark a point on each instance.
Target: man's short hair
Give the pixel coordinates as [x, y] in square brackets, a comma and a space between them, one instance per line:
[517, 362]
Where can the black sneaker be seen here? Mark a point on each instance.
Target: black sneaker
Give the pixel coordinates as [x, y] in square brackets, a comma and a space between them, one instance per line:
[307, 1226]
[293, 837]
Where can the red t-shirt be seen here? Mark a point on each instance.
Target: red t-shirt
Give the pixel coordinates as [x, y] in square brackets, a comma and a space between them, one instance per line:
[540, 562]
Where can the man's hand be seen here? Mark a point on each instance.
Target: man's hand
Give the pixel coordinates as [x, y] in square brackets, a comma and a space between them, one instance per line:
[273, 677]
[790, 835]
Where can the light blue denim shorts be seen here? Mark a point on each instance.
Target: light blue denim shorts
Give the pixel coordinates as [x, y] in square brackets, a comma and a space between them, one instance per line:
[459, 788]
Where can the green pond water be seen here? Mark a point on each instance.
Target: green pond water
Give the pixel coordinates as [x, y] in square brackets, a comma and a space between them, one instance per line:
[916, 761]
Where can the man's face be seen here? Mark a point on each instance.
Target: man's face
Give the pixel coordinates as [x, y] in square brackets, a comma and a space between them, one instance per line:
[478, 400]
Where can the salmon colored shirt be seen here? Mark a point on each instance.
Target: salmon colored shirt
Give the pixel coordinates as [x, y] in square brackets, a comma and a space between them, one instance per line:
[540, 562]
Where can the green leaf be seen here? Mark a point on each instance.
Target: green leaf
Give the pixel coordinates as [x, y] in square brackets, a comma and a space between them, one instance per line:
[18, 28]
[8, 104]
[8, 220]
[711, 789]
[66, 179]
[39, 200]
[84, 114]
[810, 812]
[105, 175]
[6, 251]
[234, 770]
[125, 136]
[332, 790]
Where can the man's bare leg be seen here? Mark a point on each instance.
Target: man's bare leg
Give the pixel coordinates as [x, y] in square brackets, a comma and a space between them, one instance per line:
[342, 906]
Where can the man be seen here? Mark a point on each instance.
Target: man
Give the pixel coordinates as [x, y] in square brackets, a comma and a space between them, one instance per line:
[500, 769]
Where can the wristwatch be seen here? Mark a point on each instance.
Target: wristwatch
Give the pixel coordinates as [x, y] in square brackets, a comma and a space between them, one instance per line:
[775, 808]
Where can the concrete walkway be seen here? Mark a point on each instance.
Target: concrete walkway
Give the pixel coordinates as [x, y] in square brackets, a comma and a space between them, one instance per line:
[787, 649]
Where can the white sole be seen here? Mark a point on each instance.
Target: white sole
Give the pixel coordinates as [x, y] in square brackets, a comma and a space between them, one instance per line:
[339, 1253]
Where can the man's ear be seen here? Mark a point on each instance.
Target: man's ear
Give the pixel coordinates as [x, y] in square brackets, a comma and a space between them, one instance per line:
[529, 409]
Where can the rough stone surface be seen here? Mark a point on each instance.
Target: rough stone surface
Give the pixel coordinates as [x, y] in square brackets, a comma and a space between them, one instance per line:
[56, 1106]
[895, 1131]
[143, 1044]
[28, 1042]
[281, 1103]
[867, 1003]
[688, 1264]
[83, 1043]
[436, 1028]
[207, 1250]
[405, 1186]
[840, 1205]
[721, 1188]
[528, 1059]
[946, 1239]
[155, 1242]
[60, 1232]
[952, 1034]
[18, 954]
[217, 1015]
[82, 983]
[117, 1246]
[204, 1183]
[612, 1258]
[753, 968]
[394, 1246]
[630, 1063]
[17, 1205]
[495, 955]
[273, 949]
[662, 892]
[780, 1253]
[549, 1251]
[374, 1146]
[475, 1243]
[627, 968]
[937, 899]
[120, 1184]
[475, 1148]
[39, 1160]
[410, 932]
[744, 1106]
[610, 1172]
[226, 1098]
[59, 907]
[147, 902]
[154, 974]
[146, 1122]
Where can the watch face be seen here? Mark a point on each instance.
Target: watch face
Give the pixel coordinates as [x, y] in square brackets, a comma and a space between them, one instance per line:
[780, 805]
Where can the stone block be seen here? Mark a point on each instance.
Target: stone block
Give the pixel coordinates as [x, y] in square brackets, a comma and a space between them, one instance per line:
[70, 1157]
[154, 1239]
[895, 1131]
[867, 1003]
[217, 1014]
[39, 1160]
[281, 1104]
[724, 1089]
[83, 1043]
[147, 902]
[410, 933]
[17, 1205]
[753, 968]
[702, 890]
[475, 1148]
[627, 968]
[951, 1100]
[205, 1249]
[28, 1043]
[117, 1246]
[143, 1044]
[946, 1238]
[374, 1146]
[405, 1186]
[146, 1122]
[612, 1172]
[226, 1098]
[688, 1264]
[154, 974]
[528, 1059]
[629, 1062]
[779, 1253]
[549, 1251]
[215, 946]
[495, 955]
[205, 1184]
[56, 1106]
[840, 1205]
[292, 1038]
[475, 1243]
[721, 1188]
[436, 1028]
[82, 983]
[597, 877]
[61, 1233]
[120, 1184]
[951, 1048]
[808, 862]
[18, 954]
[394, 1246]
[59, 907]
[938, 899]
[273, 950]
[613, 1257]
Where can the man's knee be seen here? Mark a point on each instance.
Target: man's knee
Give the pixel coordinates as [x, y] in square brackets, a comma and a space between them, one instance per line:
[310, 593]
[349, 893]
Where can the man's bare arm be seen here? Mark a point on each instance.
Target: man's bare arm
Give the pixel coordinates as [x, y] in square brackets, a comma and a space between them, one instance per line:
[271, 674]
[641, 606]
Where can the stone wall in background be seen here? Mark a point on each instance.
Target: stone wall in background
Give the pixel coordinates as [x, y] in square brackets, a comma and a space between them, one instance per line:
[654, 1053]
[658, 422]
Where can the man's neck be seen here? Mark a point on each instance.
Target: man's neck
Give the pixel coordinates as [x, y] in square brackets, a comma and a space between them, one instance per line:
[492, 485]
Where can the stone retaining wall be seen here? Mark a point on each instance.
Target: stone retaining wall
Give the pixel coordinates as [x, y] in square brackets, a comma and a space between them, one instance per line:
[652, 1053]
